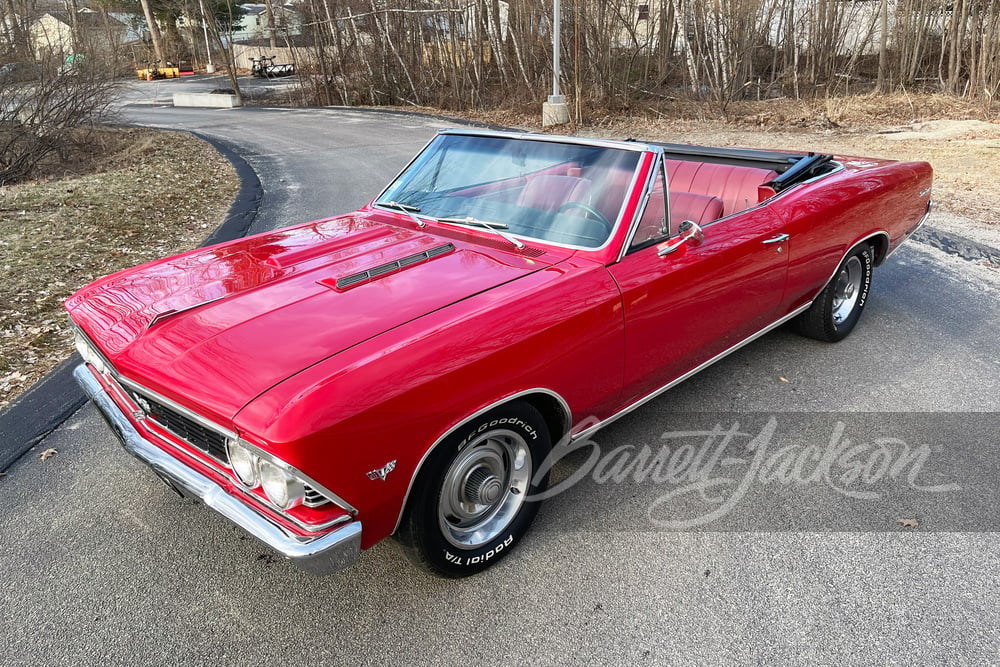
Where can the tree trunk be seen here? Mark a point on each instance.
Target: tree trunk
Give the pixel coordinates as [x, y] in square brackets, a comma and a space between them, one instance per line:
[883, 48]
[154, 29]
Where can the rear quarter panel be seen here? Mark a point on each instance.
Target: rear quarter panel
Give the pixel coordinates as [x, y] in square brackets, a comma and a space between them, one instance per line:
[827, 217]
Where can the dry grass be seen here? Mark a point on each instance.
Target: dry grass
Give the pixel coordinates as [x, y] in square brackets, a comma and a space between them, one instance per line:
[148, 194]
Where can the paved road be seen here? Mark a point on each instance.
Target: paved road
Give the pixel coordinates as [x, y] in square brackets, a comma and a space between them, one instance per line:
[747, 559]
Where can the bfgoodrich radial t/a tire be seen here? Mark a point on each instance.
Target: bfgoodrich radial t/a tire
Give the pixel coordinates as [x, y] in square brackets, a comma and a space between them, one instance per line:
[469, 505]
[837, 308]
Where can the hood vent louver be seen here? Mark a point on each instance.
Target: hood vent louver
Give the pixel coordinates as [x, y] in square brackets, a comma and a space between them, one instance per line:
[368, 275]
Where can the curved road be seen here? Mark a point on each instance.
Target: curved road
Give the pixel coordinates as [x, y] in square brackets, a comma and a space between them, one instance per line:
[784, 542]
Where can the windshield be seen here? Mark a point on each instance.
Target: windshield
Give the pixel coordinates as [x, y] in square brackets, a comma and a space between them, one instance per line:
[561, 193]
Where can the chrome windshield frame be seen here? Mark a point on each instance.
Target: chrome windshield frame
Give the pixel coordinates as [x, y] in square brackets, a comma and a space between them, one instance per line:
[610, 144]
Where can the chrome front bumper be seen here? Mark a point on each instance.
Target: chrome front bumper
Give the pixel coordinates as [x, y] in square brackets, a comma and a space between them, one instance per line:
[323, 555]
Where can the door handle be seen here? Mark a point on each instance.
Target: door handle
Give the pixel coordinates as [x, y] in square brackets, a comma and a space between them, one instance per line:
[780, 238]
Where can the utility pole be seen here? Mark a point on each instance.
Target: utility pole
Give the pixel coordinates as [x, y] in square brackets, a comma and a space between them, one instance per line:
[209, 67]
[555, 111]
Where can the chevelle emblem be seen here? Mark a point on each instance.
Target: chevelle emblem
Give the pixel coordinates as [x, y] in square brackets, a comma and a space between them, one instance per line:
[382, 472]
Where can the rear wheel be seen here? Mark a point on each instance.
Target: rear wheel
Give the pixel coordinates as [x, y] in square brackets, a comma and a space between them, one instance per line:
[469, 505]
[837, 308]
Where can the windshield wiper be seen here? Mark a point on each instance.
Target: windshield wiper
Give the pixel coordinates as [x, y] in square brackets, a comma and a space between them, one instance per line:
[495, 227]
[405, 208]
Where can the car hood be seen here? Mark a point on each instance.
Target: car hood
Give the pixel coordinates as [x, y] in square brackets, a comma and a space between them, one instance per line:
[219, 326]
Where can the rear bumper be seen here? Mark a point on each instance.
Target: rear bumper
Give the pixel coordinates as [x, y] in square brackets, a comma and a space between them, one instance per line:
[329, 553]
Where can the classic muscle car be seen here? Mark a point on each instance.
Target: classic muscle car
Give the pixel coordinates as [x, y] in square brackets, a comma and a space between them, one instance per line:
[406, 368]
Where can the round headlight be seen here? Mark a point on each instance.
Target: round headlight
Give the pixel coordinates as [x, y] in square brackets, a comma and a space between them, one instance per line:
[244, 464]
[280, 488]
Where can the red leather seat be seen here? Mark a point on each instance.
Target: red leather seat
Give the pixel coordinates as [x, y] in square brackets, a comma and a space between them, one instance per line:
[683, 206]
[701, 209]
[736, 186]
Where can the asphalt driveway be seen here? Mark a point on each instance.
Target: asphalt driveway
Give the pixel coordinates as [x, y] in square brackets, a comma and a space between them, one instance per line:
[887, 555]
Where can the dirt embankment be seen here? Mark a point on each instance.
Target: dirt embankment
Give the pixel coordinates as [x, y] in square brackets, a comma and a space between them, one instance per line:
[143, 195]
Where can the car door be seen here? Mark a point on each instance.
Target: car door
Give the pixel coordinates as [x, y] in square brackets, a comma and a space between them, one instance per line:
[683, 308]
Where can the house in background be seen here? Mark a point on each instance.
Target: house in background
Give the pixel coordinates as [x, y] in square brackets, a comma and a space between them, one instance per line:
[100, 34]
[256, 23]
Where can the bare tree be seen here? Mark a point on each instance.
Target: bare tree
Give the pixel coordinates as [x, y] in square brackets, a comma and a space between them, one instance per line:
[43, 118]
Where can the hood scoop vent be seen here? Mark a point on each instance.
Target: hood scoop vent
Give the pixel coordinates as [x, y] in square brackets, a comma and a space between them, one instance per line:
[368, 275]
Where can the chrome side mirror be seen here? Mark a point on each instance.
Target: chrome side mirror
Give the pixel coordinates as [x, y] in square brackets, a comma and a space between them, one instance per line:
[691, 234]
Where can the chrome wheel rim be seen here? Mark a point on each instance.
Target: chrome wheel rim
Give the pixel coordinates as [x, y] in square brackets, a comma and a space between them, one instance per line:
[484, 488]
[847, 290]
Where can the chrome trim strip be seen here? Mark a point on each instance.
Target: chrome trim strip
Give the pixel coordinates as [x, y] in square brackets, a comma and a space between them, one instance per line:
[659, 162]
[552, 138]
[567, 424]
[838, 167]
[648, 397]
[322, 555]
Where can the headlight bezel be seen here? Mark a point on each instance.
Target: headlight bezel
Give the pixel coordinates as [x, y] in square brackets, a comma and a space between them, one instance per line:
[279, 483]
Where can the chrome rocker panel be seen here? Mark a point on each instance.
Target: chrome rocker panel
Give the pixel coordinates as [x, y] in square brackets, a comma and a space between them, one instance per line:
[330, 553]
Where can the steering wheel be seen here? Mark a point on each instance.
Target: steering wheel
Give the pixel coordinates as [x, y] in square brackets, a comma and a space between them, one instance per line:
[591, 212]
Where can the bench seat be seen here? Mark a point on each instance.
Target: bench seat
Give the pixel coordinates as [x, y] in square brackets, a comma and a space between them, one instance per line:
[738, 187]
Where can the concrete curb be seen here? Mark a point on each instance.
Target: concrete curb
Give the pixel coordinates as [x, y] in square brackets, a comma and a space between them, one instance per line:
[52, 400]
[206, 100]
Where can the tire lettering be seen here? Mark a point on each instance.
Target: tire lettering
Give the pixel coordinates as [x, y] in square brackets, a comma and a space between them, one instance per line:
[483, 558]
[868, 279]
[513, 422]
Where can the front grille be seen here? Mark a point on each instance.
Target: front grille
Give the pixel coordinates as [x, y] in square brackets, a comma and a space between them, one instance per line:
[314, 498]
[195, 433]
[211, 442]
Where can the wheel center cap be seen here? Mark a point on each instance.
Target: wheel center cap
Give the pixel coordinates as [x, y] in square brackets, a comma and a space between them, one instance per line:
[849, 292]
[483, 487]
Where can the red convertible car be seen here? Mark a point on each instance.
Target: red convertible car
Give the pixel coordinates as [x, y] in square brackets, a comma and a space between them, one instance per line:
[405, 369]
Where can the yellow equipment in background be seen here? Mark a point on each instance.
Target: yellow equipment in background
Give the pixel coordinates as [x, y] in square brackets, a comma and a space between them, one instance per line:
[155, 72]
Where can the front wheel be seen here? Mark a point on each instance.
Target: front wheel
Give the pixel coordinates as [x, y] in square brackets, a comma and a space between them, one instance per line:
[469, 505]
[837, 308]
